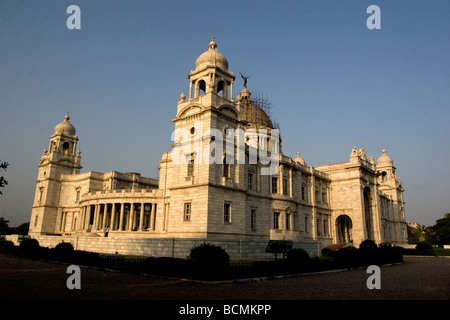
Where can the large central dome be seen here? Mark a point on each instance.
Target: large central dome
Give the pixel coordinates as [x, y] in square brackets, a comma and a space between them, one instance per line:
[212, 57]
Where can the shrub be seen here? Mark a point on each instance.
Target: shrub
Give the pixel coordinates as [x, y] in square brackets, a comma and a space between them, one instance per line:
[397, 254]
[7, 247]
[268, 268]
[167, 266]
[327, 252]
[209, 261]
[29, 243]
[367, 245]
[347, 257]
[64, 248]
[63, 251]
[86, 258]
[29, 247]
[297, 258]
[424, 246]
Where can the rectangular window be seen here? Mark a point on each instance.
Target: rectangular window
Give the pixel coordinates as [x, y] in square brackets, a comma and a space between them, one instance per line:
[274, 185]
[288, 221]
[62, 225]
[226, 168]
[285, 186]
[325, 227]
[303, 192]
[250, 181]
[41, 193]
[253, 219]
[319, 233]
[276, 220]
[227, 212]
[190, 168]
[77, 197]
[187, 211]
[324, 197]
[306, 225]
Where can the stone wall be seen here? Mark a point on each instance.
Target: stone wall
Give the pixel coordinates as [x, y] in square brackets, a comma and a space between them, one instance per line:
[170, 247]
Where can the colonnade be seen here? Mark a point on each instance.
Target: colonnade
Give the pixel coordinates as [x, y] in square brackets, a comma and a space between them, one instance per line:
[128, 216]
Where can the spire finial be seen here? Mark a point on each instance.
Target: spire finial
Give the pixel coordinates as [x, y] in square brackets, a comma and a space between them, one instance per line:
[212, 44]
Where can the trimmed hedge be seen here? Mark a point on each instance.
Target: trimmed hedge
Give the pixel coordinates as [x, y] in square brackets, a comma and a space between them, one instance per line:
[211, 262]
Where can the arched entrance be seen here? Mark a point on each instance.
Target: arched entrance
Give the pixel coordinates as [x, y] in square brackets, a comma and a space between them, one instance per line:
[344, 229]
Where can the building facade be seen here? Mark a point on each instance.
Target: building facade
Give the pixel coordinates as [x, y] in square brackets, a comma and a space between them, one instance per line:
[225, 181]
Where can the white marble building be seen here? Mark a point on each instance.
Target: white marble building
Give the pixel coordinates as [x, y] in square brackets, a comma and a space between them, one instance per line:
[216, 190]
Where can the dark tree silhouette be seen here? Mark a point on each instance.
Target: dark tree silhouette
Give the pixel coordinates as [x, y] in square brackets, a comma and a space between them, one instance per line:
[3, 182]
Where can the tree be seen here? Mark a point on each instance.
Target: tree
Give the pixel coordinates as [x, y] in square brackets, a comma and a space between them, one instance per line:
[3, 182]
[4, 228]
[22, 229]
[442, 230]
[416, 233]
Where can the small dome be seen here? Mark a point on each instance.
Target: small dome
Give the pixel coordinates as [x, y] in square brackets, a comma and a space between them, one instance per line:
[384, 159]
[299, 159]
[65, 127]
[212, 57]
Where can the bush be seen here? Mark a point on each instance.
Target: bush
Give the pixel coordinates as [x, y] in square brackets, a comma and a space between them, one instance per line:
[424, 246]
[7, 247]
[167, 266]
[29, 247]
[63, 251]
[86, 258]
[297, 258]
[209, 261]
[347, 257]
[268, 268]
[327, 252]
[367, 245]
[29, 243]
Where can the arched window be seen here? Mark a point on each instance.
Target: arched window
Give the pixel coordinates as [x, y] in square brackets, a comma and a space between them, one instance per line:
[221, 89]
[65, 148]
[384, 176]
[344, 229]
[201, 87]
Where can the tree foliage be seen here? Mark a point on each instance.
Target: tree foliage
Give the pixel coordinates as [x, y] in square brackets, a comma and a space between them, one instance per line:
[4, 228]
[3, 182]
[441, 231]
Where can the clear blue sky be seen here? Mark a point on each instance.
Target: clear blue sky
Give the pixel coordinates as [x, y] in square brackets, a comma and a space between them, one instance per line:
[333, 83]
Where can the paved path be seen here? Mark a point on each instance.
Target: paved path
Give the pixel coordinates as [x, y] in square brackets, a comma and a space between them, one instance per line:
[420, 278]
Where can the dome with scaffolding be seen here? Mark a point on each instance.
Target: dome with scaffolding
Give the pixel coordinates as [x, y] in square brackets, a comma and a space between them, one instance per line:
[255, 110]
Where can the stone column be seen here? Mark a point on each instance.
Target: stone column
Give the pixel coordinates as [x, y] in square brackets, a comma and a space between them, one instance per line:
[122, 208]
[105, 213]
[281, 180]
[291, 184]
[152, 217]
[231, 92]
[113, 216]
[141, 218]
[95, 221]
[130, 218]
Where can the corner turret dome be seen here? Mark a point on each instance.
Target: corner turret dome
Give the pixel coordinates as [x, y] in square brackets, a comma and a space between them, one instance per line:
[384, 159]
[212, 57]
[65, 127]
